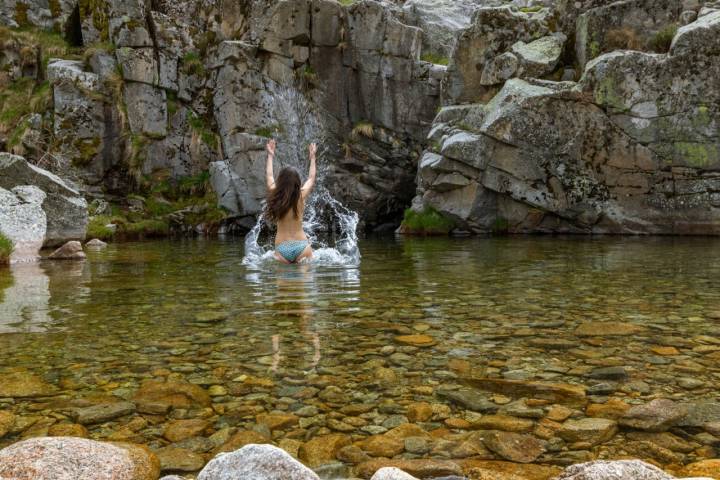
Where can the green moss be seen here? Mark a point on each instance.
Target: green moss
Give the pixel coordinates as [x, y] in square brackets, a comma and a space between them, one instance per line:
[698, 155]
[594, 50]
[606, 95]
[172, 103]
[346, 2]
[661, 41]
[97, 227]
[427, 222]
[6, 249]
[534, 9]
[435, 58]
[268, 131]
[147, 228]
[87, 148]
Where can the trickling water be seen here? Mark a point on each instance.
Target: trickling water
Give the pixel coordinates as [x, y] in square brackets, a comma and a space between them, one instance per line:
[330, 226]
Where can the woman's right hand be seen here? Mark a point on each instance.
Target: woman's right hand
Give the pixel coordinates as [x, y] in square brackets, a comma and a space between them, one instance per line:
[312, 150]
[270, 147]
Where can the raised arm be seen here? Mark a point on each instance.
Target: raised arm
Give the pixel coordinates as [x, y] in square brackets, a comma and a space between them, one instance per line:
[312, 174]
[269, 177]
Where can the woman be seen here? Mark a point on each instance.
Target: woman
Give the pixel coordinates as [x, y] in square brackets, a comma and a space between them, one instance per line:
[286, 205]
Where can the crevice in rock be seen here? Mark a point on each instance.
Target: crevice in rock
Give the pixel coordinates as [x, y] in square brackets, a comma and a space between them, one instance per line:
[73, 28]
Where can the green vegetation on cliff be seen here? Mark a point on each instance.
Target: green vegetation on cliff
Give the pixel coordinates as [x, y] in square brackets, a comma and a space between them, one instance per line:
[6, 249]
[427, 222]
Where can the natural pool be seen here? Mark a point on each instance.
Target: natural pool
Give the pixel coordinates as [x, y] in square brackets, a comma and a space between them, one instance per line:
[296, 353]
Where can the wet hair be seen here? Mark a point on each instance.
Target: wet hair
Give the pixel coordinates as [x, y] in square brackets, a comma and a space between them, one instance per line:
[285, 196]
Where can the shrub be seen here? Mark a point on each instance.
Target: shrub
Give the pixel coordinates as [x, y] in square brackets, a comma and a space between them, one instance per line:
[365, 129]
[427, 222]
[435, 58]
[622, 39]
[661, 41]
[192, 64]
[6, 249]
[148, 228]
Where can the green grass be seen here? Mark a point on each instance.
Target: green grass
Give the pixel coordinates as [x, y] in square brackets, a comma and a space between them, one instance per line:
[346, 2]
[427, 222]
[192, 64]
[534, 9]
[199, 125]
[97, 227]
[366, 129]
[154, 227]
[661, 41]
[6, 249]
[435, 58]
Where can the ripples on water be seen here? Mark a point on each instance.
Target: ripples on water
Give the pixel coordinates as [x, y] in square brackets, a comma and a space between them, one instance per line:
[496, 304]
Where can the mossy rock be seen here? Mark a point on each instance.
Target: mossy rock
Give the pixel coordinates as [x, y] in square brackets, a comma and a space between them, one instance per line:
[426, 222]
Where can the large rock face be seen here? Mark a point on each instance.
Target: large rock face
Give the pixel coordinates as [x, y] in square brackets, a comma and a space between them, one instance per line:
[631, 148]
[65, 208]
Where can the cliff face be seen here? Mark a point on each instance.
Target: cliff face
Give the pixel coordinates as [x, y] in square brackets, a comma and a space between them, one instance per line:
[127, 94]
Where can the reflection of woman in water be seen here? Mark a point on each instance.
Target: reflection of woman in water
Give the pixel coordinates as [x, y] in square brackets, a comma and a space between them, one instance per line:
[285, 207]
[293, 303]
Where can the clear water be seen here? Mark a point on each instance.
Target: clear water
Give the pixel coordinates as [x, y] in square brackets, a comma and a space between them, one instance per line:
[105, 325]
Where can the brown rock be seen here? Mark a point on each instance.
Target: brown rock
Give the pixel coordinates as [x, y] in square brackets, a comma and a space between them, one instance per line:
[147, 465]
[591, 430]
[68, 430]
[513, 446]
[178, 430]
[179, 460]
[503, 469]
[290, 445]
[664, 439]
[352, 454]
[704, 468]
[558, 413]
[7, 421]
[421, 468]
[504, 423]
[405, 430]
[419, 412]
[660, 350]
[24, 384]
[555, 392]
[173, 394]
[382, 446]
[416, 340]
[322, 449]
[648, 450]
[277, 421]
[240, 439]
[607, 329]
[70, 251]
[612, 409]
[458, 423]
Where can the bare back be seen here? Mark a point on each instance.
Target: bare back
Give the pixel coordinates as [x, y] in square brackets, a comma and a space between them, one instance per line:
[289, 227]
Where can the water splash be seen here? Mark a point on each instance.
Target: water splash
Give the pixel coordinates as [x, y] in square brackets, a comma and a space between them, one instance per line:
[330, 226]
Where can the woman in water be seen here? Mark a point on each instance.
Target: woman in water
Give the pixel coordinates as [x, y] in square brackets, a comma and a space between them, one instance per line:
[285, 207]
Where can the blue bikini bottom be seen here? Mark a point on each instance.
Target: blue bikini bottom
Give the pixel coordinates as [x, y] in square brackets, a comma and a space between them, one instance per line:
[291, 249]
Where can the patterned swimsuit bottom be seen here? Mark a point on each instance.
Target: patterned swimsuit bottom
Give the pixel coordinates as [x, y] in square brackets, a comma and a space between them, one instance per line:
[291, 249]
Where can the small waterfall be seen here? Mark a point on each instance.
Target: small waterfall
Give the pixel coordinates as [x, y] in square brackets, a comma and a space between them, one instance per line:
[330, 226]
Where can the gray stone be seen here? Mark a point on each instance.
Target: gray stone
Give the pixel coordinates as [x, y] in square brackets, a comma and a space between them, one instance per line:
[499, 69]
[146, 109]
[23, 221]
[391, 473]
[259, 462]
[514, 446]
[102, 412]
[539, 57]
[592, 430]
[614, 470]
[65, 208]
[655, 416]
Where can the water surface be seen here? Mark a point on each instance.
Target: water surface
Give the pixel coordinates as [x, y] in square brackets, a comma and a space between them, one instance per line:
[504, 307]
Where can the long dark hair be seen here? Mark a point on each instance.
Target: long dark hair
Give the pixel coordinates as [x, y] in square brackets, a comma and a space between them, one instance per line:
[285, 196]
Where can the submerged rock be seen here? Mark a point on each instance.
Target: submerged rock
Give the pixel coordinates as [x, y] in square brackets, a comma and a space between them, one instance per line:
[24, 384]
[70, 251]
[67, 458]
[259, 462]
[655, 416]
[614, 470]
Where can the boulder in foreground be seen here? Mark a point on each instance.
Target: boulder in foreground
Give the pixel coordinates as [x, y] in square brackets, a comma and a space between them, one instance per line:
[259, 462]
[69, 458]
